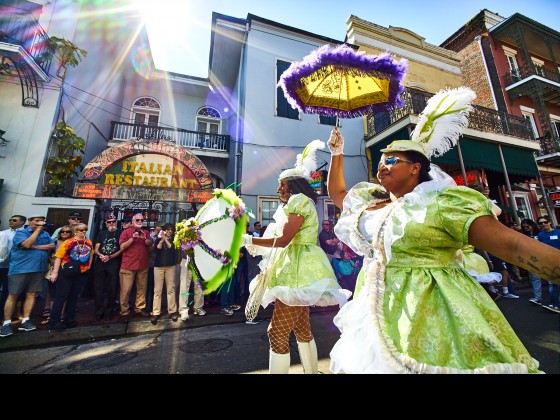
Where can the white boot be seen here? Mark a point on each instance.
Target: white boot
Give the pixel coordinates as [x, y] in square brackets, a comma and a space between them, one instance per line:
[308, 356]
[279, 363]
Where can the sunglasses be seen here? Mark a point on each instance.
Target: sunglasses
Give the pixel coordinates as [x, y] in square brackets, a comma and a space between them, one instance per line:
[543, 222]
[65, 231]
[75, 218]
[138, 220]
[110, 221]
[389, 161]
[81, 230]
[13, 220]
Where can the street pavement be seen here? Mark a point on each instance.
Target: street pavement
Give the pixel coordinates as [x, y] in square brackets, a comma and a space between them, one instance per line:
[537, 328]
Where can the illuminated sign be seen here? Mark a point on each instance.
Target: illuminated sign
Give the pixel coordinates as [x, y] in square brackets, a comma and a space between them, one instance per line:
[555, 197]
[139, 170]
[472, 179]
[318, 182]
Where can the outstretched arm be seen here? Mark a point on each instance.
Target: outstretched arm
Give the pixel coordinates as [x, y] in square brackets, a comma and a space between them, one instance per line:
[291, 227]
[336, 185]
[488, 233]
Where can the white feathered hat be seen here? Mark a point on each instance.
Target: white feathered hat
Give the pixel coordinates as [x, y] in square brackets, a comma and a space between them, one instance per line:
[306, 162]
[439, 125]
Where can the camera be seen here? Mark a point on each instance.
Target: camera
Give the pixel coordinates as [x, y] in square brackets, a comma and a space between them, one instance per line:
[45, 225]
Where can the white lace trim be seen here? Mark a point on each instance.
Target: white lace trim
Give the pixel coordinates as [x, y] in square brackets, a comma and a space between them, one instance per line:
[317, 294]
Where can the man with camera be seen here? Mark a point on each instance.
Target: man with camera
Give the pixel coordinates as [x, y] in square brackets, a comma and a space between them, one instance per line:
[28, 263]
[136, 244]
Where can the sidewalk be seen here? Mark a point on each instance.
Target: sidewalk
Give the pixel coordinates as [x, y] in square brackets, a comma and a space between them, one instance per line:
[89, 330]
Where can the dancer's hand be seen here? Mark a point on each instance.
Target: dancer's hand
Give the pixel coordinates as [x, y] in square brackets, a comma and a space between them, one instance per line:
[336, 142]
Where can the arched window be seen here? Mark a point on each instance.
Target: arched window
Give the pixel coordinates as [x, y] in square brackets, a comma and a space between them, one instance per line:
[208, 120]
[146, 111]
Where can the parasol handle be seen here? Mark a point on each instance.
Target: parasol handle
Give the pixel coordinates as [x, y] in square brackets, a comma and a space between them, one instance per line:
[334, 136]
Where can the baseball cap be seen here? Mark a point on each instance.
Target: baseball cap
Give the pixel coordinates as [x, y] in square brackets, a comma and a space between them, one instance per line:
[75, 214]
[110, 217]
[127, 220]
[36, 215]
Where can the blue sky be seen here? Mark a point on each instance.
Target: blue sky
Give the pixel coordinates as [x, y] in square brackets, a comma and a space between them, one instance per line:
[179, 30]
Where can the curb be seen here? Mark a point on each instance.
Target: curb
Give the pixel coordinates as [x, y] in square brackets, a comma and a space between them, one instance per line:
[104, 331]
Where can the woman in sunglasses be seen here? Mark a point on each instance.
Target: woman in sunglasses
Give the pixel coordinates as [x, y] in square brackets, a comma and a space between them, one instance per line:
[64, 233]
[419, 310]
[74, 252]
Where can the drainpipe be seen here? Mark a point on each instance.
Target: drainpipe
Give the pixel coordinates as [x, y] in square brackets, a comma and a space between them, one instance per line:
[512, 202]
[478, 39]
[240, 113]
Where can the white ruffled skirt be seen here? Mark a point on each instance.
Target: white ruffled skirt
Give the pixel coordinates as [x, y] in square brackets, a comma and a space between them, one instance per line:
[359, 348]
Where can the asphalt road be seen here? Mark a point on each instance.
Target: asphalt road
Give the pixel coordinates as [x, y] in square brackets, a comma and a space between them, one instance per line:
[238, 348]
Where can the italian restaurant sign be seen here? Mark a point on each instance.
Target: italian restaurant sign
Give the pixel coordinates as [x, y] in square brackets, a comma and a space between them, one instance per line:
[146, 171]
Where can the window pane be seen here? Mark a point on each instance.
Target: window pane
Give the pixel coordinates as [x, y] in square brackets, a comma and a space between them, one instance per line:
[283, 108]
[327, 120]
[268, 208]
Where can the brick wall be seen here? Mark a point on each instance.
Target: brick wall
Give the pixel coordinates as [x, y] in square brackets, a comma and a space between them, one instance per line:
[474, 74]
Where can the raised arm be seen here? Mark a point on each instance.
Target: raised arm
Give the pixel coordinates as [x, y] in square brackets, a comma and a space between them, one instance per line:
[336, 185]
[491, 235]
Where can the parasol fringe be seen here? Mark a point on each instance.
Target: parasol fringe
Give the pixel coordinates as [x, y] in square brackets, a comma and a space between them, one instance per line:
[383, 66]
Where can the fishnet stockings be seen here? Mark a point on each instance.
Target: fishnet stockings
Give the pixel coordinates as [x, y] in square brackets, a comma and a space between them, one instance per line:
[286, 319]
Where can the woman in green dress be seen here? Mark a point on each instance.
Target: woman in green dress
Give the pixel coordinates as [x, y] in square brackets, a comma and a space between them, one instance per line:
[419, 310]
[299, 272]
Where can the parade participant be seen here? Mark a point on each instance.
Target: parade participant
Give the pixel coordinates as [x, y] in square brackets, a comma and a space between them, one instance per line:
[419, 311]
[300, 274]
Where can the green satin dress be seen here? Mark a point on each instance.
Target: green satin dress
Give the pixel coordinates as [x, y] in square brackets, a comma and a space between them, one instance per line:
[301, 273]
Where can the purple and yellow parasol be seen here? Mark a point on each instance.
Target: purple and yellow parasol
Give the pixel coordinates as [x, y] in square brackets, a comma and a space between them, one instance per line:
[342, 82]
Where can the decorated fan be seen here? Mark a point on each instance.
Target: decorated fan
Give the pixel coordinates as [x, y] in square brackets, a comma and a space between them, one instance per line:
[212, 239]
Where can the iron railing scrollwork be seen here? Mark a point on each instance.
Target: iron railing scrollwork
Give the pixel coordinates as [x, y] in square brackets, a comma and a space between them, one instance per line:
[480, 119]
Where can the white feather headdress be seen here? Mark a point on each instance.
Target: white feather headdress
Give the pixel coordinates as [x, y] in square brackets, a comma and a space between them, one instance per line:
[439, 125]
[306, 162]
[443, 120]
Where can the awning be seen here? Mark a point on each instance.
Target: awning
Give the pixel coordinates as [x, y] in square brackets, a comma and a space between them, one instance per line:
[480, 154]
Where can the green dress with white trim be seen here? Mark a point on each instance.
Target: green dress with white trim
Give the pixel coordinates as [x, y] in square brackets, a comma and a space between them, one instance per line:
[419, 311]
[301, 273]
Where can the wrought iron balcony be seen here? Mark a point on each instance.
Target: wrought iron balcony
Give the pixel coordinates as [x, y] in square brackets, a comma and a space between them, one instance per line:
[526, 71]
[21, 33]
[550, 144]
[121, 131]
[480, 119]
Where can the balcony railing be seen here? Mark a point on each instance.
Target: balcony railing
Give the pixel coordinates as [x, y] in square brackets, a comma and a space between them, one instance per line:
[19, 27]
[192, 139]
[549, 145]
[480, 119]
[526, 71]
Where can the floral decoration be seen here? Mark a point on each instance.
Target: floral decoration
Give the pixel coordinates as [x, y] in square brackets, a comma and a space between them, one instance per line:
[237, 210]
[187, 235]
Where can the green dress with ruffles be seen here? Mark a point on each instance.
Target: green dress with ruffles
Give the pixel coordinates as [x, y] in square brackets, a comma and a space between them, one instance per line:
[301, 273]
[420, 311]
